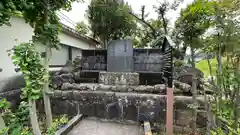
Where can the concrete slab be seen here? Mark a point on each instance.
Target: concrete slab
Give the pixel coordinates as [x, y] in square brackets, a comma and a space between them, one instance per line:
[91, 126]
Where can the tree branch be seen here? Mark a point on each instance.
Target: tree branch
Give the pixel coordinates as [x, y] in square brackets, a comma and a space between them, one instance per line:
[146, 23]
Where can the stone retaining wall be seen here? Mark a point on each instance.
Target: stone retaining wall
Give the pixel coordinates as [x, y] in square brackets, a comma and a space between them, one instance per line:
[126, 106]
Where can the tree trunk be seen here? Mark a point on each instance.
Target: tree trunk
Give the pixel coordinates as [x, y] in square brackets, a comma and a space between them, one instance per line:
[219, 75]
[237, 101]
[46, 99]
[33, 117]
[194, 93]
[237, 110]
[211, 121]
[47, 104]
[164, 23]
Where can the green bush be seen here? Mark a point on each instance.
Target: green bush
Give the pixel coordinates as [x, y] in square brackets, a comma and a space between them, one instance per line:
[232, 131]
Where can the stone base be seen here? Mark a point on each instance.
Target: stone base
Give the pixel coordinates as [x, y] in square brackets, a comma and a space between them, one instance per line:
[126, 106]
[118, 78]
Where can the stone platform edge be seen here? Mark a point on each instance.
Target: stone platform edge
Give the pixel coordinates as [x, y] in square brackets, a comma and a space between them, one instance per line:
[70, 125]
[122, 78]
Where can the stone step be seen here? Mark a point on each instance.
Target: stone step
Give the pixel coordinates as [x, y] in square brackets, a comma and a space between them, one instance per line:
[159, 88]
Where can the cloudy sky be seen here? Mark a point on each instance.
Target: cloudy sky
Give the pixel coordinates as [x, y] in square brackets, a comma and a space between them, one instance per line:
[78, 11]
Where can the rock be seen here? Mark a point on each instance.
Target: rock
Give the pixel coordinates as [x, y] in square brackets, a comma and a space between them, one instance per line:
[56, 82]
[183, 118]
[119, 78]
[68, 67]
[182, 86]
[144, 89]
[66, 86]
[201, 119]
[121, 88]
[181, 130]
[59, 80]
[177, 91]
[77, 62]
[176, 72]
[161, 88]
[185, 75]
[77, 76]
[130, 89]
[67, 77]
[208, 91]
[101, 87]
[183, 102]
[74, 86]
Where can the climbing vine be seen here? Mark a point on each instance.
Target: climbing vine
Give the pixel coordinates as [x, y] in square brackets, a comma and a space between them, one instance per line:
[28, 60]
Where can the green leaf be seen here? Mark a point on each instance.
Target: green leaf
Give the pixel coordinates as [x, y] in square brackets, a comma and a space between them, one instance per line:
[1, 6]
[35, 91]
[35, 97]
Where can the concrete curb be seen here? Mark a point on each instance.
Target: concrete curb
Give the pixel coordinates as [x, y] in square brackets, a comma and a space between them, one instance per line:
[73, 122]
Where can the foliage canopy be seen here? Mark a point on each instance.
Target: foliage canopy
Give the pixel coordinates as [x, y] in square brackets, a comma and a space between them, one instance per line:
[110, 19]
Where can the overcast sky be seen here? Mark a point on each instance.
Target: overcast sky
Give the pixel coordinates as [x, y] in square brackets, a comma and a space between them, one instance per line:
[77, 13]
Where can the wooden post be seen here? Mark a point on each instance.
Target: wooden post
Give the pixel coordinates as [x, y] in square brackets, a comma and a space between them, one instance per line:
[169, 112]
[147, 128]
[2, 123]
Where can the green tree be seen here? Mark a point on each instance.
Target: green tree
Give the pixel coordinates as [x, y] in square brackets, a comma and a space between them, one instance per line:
[110, 19]
[225, 43]
[7, 9]
[29, 61]
[83, 28]
[149, 30]
[192, 24]
[41, 15]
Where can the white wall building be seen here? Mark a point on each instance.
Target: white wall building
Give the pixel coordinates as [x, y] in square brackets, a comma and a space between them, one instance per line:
[71, 45]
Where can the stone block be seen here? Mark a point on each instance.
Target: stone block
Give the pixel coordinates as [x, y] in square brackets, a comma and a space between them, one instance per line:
[183, 118]
[119, 78]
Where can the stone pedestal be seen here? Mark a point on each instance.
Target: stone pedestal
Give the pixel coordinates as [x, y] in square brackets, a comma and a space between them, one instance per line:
[119, 78]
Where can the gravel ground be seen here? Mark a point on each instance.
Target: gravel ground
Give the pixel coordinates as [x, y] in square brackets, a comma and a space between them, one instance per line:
[91, 126]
